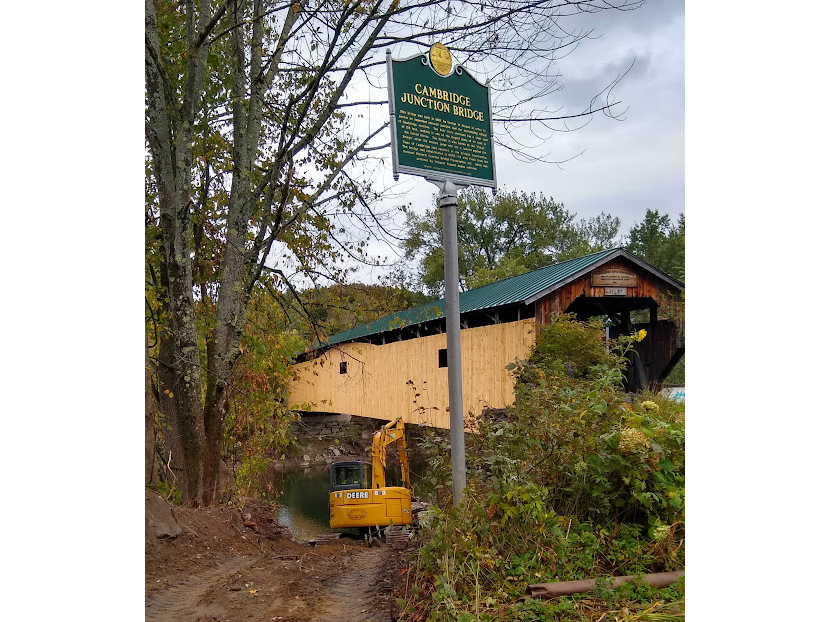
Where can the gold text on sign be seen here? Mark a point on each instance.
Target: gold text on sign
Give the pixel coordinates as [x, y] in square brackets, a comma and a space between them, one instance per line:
[442, 101]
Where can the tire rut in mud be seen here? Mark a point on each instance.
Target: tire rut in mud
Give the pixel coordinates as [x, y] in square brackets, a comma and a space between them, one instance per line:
[362, 593]
[181, 603]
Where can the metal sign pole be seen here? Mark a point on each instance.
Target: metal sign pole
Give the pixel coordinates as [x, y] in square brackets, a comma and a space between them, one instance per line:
[441, 121]
[449, 204]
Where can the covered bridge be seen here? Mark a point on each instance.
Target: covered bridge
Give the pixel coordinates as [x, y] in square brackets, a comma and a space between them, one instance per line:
[396, 366]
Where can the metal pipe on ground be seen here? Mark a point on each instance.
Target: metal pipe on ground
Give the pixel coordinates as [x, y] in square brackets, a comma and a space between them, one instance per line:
[564, 588]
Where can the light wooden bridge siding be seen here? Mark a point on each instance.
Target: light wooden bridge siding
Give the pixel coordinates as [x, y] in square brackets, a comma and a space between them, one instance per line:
[402, 378]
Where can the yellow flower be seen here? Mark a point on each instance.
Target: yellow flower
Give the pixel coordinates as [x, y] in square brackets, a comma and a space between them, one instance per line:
[641, 334]
[651, 406]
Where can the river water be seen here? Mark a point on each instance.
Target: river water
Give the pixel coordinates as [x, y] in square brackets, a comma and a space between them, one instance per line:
[304, 501]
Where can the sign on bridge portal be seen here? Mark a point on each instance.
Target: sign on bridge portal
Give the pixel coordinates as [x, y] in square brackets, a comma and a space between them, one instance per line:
[442, 125]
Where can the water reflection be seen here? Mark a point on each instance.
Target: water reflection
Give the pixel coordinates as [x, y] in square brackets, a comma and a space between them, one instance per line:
[304, 502]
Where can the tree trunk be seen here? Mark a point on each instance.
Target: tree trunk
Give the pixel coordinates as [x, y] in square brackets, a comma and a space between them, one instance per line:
[215, 412]
[150, 408]
[181, 373]
[169, 131]
[230, 314]
[235, 281]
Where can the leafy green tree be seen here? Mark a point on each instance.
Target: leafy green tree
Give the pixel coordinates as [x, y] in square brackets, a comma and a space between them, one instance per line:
[252, 155]
[257, 423]
[589, 236]
[502, 236]
[318, 313]
[660, 242]
[341, 307]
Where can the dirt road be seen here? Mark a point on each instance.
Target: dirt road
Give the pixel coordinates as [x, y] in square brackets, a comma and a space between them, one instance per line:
[361, 593]
[349, 586]
[229, 565]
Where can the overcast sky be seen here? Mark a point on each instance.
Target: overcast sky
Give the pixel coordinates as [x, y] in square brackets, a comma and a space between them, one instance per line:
[625, 167]
[632, 165]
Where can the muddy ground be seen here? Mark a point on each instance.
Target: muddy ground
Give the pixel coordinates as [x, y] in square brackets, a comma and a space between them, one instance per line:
[238, 564]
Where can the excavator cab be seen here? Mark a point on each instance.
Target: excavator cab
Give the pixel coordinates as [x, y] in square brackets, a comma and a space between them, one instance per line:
[349, 475]
[359, 496]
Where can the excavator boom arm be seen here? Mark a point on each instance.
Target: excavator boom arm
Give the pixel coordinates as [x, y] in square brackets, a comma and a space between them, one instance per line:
[392, 432]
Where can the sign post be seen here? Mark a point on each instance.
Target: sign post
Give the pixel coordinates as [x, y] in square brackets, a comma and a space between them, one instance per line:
[448, 200]
[442, 129]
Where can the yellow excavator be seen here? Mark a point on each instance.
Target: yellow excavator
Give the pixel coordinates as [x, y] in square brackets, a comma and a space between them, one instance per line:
[359, 496]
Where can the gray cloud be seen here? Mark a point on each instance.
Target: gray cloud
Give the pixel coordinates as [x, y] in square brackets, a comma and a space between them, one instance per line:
[629, 166]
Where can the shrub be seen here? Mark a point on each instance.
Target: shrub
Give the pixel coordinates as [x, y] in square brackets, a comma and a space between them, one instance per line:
[576, 481]
[575, 348]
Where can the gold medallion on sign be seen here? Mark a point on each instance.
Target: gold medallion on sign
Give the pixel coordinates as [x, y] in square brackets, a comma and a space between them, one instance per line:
[439, 56]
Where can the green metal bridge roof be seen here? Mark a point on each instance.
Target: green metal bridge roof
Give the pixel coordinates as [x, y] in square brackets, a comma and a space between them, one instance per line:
[523, 288]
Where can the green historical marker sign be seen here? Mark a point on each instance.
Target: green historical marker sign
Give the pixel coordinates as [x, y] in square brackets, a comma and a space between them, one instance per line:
[441, 120]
